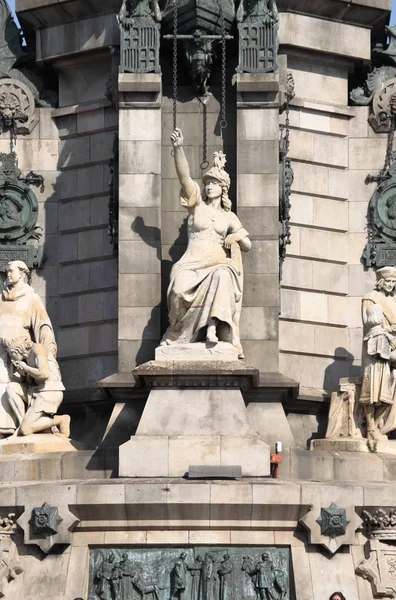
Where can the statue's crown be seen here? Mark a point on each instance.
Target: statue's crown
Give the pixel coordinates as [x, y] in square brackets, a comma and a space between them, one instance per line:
[217, 170]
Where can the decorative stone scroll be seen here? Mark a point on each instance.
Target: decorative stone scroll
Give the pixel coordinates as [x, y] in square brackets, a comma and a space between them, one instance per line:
[190, 574]
[331, 526]
[380, 569]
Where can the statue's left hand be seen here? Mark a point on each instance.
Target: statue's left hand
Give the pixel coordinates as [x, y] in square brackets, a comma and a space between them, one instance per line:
[20, 366]
[232, 238]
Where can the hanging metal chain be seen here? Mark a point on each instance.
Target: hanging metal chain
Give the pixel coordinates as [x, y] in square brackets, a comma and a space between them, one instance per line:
[175, 19]
[223, 122]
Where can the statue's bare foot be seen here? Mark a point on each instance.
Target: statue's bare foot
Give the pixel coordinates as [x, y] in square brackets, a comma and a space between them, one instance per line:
[63, 423]
[211, 336]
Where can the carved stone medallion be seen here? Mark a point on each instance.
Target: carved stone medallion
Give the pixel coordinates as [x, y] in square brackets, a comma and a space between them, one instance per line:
[16, 107]
[201, 573]
[45, 520]
[333, 521]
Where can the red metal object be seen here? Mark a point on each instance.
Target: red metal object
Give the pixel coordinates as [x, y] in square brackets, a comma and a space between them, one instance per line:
[276, 460]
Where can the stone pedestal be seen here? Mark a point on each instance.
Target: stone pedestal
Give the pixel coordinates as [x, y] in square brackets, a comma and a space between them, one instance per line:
[354, 445]
[38, 443]
[193, 418]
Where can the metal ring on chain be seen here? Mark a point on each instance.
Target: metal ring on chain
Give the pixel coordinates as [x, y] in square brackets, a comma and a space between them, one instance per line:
[223, 124]
[204, 165]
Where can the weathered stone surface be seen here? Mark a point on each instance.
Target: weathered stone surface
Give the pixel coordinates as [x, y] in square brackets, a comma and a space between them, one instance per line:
[198, 351]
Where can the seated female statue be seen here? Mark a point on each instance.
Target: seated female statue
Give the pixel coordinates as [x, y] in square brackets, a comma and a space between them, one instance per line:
[205, 290]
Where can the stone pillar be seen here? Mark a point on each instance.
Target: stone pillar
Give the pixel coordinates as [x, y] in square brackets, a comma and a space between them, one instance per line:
[257, 207]
[139, 218]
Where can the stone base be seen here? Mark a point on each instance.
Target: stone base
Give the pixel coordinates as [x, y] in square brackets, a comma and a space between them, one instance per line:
[195, 412]
[202, 351]
[172, 456]
[40, 443]
[354, 445]
[269, 420]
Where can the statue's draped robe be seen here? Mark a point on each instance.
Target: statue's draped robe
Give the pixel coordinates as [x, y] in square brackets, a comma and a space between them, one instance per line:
[22, 313]
[378, 378]
[207, 282]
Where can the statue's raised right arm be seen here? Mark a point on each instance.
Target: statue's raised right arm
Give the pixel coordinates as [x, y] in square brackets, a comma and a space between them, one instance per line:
[181, 164]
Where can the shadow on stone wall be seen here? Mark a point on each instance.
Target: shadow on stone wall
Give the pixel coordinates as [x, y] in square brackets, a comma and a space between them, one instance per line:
[342, 366]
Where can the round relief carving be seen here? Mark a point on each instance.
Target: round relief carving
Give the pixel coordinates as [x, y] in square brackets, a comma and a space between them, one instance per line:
[16, 106]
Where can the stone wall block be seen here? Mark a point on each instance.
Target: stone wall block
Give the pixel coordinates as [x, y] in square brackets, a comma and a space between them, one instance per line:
[290, 304]
[68, 247]
[73, 278]
[297, 337]
[332, 214]
[139, 323]
[73, 152]
[73, 341]
[259, 323]
[260, 222]
[139, 157]
[367, 153]
[257, 124]
[90, 121]
[139, 257]
[139, 289]
[311, 33]
[192, 450]
[103, 338]
[135, 352]
[329, 277]
[74, 214]
[140, 224]
[258, 157]
[260, 290]
[262, 354]
[262, 258]
[255, 189]
[140, 189]
[48, 125]
[93, 180]
[320, 81]
[150, 454]
[102, 274]
[140, 124]
[302, 574]
[101, 146]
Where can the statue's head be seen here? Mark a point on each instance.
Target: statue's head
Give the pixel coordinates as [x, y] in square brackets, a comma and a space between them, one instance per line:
[16, 270]
[18, 347]
[217, 182]
[386, 279]
[183, 555]
[265, 556]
